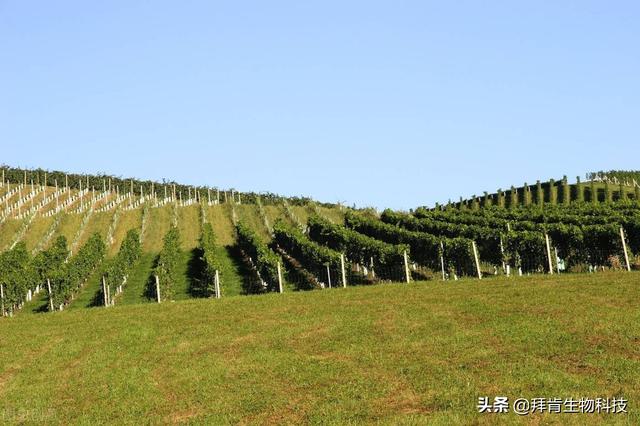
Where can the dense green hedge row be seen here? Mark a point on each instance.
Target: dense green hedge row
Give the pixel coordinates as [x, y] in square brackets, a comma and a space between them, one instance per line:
[263, 258]
[487, 238]
[526, 218]
[358, 247]
[167, 264]
[426, 249]
[122, 264]
[73, 274]
[211, 265]
[588, 243]
[16, 276]
[313, 256]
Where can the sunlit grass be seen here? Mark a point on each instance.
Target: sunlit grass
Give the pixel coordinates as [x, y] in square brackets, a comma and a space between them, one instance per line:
[418, 353]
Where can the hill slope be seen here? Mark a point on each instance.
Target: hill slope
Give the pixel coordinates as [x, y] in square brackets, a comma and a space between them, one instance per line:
[417, 353]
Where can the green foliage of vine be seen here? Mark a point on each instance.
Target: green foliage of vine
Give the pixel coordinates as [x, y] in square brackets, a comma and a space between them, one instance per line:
[263, 258]
[167, 264]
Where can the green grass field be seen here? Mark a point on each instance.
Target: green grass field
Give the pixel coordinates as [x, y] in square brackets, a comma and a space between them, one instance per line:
[395, 354]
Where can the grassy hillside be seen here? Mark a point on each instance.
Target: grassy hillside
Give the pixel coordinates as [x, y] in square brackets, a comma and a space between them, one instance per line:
[410, 354]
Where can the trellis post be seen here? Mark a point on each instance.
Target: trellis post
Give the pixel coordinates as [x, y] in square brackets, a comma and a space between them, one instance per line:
[344, 274]
[502, 253]
[217, 284]
[546, 238]
[624, 248]
[373, 272]
[406, 267]
[280, 288]
[158, 288]
[442, 260]
[104, 291]
[50, 295]
[477, 260]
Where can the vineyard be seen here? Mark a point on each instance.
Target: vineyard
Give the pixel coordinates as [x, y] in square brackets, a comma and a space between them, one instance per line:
[329, 284]
[66, 245]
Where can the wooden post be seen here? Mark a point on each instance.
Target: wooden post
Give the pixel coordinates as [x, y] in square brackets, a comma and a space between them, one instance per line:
[373, 271]
[280, 288]
[442, 260]
[158, 288]
[217, 284]
[344, 274]
[50, 295]
[328, 275]
[406, 267]
[624, 248]
[477, 260]
[2, 299]
[502, 253]
[546, 238]
[104, 291]
[109, 301]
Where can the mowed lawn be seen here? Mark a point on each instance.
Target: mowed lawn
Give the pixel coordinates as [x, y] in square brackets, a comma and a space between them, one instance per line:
[397, 353]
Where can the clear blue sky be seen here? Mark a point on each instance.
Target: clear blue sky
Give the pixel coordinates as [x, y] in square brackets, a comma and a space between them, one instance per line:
[387, 104]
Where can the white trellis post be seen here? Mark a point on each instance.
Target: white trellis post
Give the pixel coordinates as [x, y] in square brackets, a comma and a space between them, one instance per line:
[280, 288]
[624, 248]
[328, 275]
[217, 284]
[406, 267]
[50, 295]
[546, 238]
[158, 288]
[104, 291]
[373, 272]
[344, 274]
[2, 296]
[502, 253]
[477, 260]
[555, 249]
[442, 260]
